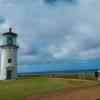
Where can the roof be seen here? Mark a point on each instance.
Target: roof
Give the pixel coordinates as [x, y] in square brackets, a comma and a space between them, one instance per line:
[10, 33]
[4, 46]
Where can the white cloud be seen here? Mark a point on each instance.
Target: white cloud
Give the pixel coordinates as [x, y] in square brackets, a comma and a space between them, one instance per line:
[90, 54]
[59, 31]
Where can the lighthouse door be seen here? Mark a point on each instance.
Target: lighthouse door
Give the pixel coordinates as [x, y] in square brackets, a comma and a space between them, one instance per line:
[9, 74]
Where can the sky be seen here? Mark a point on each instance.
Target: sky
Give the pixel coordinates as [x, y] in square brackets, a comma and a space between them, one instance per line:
[54, 34]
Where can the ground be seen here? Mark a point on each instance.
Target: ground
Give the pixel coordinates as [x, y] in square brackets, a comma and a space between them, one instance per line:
[48, 89]
[91, 93]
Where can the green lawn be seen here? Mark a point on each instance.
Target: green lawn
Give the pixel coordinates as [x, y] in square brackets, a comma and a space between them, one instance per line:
[19, 89]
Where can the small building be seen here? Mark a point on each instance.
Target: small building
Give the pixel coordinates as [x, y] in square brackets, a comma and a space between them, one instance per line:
[9, 50]
[97, 75]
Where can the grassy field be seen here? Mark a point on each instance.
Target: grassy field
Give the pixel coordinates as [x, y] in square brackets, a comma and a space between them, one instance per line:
[19, 89]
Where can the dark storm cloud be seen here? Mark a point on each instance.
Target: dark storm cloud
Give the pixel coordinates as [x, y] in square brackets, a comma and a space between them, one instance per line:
[55, 1]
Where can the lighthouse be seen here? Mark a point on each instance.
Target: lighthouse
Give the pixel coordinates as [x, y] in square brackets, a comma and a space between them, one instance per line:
[9, 50]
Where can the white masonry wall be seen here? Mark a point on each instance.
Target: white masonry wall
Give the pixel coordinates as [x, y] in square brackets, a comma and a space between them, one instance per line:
[6, 53]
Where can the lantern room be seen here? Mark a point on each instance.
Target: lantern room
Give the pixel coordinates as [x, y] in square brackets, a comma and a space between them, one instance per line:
[9, 38]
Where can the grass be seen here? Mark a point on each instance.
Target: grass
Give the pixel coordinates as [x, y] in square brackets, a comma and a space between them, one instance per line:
[19, 89]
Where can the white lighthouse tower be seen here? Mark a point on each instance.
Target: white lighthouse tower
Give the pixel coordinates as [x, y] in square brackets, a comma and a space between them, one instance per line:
[9, 49]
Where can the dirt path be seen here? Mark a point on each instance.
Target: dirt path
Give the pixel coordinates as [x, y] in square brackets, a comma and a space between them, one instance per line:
[91, 93]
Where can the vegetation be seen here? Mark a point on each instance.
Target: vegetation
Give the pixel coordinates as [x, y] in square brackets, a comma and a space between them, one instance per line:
[20, 89]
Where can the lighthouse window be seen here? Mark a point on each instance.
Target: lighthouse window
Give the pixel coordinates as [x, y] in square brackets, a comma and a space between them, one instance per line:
[9, 60]
[9, 40]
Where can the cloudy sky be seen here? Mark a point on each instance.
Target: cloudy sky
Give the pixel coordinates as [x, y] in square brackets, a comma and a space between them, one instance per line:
[54, 34]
